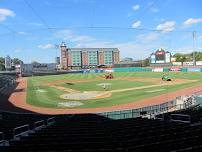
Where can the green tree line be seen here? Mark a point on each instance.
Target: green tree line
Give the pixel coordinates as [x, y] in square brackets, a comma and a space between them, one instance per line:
[188, 57]
[2, 62]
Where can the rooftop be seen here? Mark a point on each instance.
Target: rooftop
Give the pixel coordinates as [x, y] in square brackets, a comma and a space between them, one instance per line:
[93, 49]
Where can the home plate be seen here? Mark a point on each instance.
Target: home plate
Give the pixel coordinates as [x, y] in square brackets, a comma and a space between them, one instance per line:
[157, 90]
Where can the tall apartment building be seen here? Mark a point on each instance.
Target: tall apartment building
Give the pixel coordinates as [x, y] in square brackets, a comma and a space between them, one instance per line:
[78, 58]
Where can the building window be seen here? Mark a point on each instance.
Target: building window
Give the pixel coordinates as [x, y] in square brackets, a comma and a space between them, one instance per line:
[76, 58]
[108, 57]
[92, 58]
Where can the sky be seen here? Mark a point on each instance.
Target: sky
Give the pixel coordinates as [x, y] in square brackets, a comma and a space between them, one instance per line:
[31, 29]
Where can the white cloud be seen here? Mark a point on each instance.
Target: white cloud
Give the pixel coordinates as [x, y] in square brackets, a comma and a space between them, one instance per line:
[167, 26]
[4, 13]
[136, 24]
[127, 49]
[154, 10]
[18, 50]
[46, 46]
[64, 34]
[136, 7]
[184, 49]
[191, 21]
[70, 36]
[148, 37]
[134, 49]
[83, 38]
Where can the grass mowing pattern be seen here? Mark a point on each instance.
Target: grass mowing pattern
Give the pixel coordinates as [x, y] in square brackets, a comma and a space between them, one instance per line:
[114, 84]
[50, 98]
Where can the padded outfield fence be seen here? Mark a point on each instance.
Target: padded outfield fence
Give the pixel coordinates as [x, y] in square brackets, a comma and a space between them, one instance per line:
[144, 69]
[157, 69]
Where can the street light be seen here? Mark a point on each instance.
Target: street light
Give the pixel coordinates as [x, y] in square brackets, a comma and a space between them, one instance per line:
[194, 56]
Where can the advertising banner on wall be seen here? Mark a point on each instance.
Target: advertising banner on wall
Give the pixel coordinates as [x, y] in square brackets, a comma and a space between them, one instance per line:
[199, 63]
[175, 69]
[157, 70]
[108, 70]
[188, 63]
[93, 71]
[177, 63]
[160, 61]
[194, 69]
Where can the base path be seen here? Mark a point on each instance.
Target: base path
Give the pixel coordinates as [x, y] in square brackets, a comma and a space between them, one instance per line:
[18, 99]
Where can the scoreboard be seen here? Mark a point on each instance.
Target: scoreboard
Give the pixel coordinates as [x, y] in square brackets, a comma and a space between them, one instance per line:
[160, 56]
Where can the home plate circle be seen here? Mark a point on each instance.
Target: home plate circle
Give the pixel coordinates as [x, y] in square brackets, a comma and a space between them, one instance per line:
[86, 95]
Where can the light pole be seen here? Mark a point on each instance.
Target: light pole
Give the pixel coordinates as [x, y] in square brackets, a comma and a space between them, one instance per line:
[194, 56]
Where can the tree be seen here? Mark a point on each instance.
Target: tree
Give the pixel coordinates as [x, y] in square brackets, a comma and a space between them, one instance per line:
[2, 67]
[2, 60]
[198, 55]
[16, 61]
[182, 57]
[35, 62]
[146, 62]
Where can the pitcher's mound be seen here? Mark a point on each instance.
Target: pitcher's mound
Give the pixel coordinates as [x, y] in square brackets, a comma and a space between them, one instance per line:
[86, 95]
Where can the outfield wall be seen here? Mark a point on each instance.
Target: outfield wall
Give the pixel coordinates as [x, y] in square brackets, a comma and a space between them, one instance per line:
[157, 69]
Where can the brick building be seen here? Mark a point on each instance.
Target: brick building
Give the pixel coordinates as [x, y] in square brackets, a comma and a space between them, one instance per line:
[79, 58]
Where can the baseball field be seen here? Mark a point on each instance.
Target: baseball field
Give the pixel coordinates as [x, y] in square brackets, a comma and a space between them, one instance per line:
[92, 90]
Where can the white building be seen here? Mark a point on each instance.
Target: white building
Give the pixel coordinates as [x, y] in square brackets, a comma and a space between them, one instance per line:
[8, 62]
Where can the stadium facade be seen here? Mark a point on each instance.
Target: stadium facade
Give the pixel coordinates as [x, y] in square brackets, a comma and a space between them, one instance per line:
[81, 58]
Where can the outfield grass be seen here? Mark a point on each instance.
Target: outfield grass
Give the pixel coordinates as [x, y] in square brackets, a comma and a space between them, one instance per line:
[50, 97]
[97, 85]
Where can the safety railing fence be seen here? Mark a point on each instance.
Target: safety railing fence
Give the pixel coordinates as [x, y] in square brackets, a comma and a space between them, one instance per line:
[149, 110]
[20, 131]
[1, 138]
[39, 124]
[50, 121]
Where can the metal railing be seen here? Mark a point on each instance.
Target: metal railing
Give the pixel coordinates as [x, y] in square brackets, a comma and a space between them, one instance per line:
[21, 131]
[50, 121]
[39, 124]
[180, 118]
[2, 141]
[145, 111]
